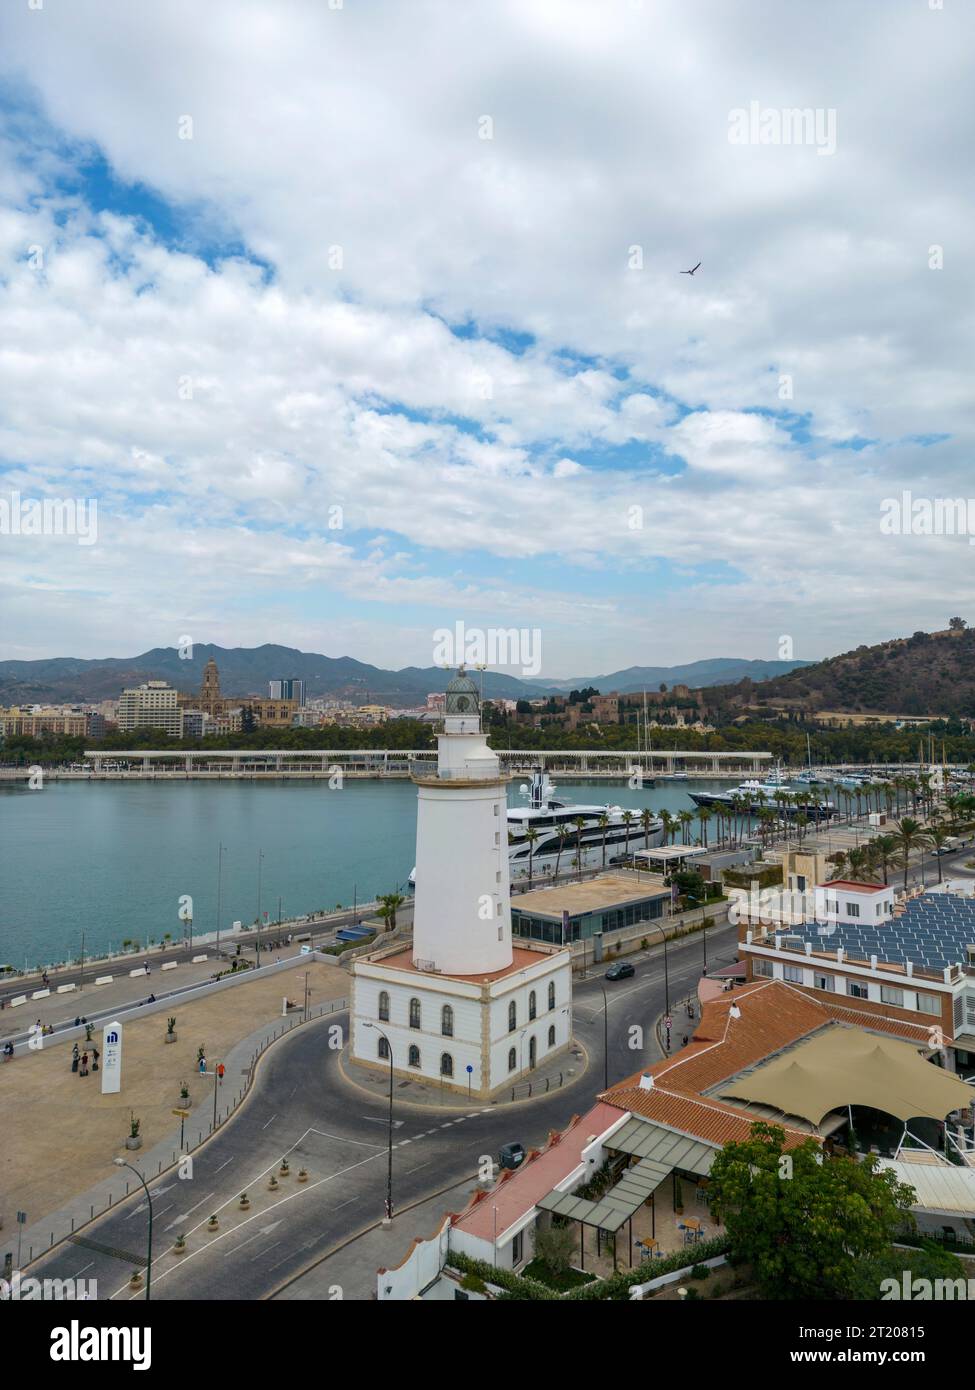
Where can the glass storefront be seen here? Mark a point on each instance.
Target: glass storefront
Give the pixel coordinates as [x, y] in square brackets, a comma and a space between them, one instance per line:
[587, 924]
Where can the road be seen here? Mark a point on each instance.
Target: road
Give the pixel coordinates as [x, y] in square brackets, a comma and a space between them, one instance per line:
[302, 1107]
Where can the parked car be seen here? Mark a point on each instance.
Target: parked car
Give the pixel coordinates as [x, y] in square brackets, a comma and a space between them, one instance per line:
[622, 970]
[511, 1155]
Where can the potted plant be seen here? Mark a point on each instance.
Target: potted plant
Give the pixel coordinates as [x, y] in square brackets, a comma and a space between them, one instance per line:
[184, 1096]
[284, 1170]
[245, 1202]
[179, 1246]
[134, 1140]
[171, 1029]
[136, 1281]
[302, 1174]
[89, 1029]
[213, 1223]
[201, 1052]
[272, 1183]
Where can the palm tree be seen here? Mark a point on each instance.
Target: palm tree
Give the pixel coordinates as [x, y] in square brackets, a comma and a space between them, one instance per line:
[390, 902]
[563, 835]
[686, 818]
[531, 836]
[704, 814]
[580, 824]
[937, 839]
[604, 826]
[628, 818]
[646, 818]
[910, 835]
[886, 847]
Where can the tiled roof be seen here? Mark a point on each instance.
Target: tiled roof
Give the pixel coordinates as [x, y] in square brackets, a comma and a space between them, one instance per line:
[711, 1120]
[516, 1196]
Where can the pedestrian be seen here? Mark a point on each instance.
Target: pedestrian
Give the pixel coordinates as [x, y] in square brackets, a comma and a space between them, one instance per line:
[77, 1022]
[683, 1041]
[84, 1064]
[203, 1066]
[95, 1054]
[35, 1028]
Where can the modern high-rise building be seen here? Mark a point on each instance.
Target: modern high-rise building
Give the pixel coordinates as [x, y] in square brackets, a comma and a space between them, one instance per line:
[152, 705]
[292, 688]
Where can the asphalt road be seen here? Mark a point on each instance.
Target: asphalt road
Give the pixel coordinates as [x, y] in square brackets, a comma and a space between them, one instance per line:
[302, 1107]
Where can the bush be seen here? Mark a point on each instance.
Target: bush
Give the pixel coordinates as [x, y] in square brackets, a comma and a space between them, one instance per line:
[700, 1272]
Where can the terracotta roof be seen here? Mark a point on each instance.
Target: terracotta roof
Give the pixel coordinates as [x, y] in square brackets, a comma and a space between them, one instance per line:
[515, 1197]
[711, 1120]
[852, 887]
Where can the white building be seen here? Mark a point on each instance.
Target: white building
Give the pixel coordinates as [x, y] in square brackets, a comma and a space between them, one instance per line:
[461, 1006]
[152, 705]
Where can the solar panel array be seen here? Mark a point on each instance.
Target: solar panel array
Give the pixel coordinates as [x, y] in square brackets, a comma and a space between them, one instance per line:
[934, 931]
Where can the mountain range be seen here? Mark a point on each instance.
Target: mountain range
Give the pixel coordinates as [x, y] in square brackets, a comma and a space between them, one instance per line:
[247, 670]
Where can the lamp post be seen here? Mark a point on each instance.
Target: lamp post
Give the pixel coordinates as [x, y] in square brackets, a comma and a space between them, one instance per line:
[663, 935]
[121, 1163]
[704, 925]
[389, 1171]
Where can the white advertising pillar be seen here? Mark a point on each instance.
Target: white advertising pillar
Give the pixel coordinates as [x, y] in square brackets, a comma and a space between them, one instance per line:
[111, 1058]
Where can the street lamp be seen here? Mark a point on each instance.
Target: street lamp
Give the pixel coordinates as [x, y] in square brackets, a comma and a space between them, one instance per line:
[704, 925]
[121, 1163]
[663, 935]
[389, 1172]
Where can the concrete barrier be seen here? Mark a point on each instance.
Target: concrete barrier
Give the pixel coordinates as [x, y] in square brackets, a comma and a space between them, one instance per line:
[198, 960]
[141, 971]
[15, 1003]
[66, 989]
[169, 965]
[104, 979]
[40, 993]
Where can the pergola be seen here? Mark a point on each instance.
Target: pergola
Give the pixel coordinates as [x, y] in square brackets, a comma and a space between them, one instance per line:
[659, 1153]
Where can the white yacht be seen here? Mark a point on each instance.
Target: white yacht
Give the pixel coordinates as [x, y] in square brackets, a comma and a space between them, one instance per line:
[753, 795]
[547, 816]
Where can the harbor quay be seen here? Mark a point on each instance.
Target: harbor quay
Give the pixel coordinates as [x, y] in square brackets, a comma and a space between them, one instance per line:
[337, 763]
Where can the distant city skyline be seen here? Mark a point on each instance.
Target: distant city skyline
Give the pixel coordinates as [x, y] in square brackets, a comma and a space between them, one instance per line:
[341, 371]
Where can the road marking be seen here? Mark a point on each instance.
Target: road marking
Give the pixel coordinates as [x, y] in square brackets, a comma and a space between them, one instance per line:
[402, 1142]
[81, 1271]
[419, 1166]
[446, 1124]
[228, 1160]
[345, 1204]
[264, 1231]
[270, 1121]
[192, 1209]
[382, 1120]
[234, 1229]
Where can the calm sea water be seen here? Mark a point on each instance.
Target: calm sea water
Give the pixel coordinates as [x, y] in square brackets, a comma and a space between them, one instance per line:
[112, 859]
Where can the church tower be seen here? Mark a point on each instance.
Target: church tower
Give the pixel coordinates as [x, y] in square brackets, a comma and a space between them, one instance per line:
[210, 697]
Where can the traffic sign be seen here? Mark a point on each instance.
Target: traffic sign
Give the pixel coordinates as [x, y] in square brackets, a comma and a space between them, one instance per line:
[668, 1022]
[181, 1113]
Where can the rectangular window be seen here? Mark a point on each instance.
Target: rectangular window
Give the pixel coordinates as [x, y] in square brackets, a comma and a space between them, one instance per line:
[853, 909]
[518, 1248]
[889, 995]
[929, 1003]
[826, 982]
[762, 967]
[793, 973]
[857, 989]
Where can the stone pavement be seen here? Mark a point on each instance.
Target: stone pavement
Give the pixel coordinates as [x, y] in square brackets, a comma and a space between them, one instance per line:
[43, 1101]
[563, 1070]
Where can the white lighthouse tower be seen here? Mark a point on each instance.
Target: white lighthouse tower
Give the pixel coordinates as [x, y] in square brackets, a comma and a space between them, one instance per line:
[461, 917]
[462, 1006]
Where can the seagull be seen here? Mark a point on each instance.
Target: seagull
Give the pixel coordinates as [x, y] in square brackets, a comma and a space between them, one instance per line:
[691, 272]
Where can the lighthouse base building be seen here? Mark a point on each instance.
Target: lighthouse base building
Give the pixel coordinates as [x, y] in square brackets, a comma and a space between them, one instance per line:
[461, 1006]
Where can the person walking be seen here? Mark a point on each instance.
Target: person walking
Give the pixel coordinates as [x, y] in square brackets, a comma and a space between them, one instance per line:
[75, 1054]
[84, 1064]
[95, 1054]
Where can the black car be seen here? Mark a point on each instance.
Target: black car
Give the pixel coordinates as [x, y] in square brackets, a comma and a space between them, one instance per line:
[511, 1155]
[622, 970]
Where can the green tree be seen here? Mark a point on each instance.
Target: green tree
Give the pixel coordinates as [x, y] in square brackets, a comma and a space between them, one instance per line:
[803, 1220]
[556, 1246]
[390, 902]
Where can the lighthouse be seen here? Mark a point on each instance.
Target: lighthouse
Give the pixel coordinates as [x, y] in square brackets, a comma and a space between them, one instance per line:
[461, 916]
[460, 1005]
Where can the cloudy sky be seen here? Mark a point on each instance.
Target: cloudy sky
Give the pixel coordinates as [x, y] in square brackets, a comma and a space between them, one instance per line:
[359, 319]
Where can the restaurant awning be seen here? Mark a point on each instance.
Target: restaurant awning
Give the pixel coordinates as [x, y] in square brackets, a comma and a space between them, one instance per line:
[644, 1139]
[849, 1066]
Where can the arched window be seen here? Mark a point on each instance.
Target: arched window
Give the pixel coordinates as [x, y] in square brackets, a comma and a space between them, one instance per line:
[512, 1017]
[447, 1022]
[384, 1049]
[532, 1005]
[414, 1013]
[414, 1055]
[551, 1036]
[383, 1006]
[446, 1064]
[512, 1059]
[551, 994]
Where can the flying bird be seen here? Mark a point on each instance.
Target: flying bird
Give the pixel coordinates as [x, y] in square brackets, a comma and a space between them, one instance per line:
[691, 272]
